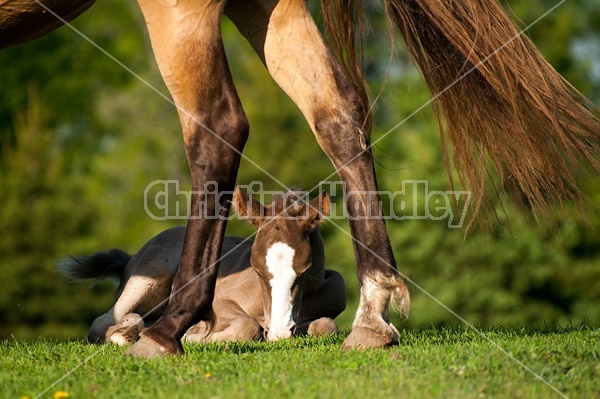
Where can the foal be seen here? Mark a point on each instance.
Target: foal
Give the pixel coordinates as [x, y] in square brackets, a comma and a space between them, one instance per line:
[275, 286]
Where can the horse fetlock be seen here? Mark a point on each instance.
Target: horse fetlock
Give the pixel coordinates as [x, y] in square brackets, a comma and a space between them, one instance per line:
[378, 290]
[371, 327]
[400, 296]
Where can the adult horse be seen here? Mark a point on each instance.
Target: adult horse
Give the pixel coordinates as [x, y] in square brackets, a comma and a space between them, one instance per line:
[503, 111]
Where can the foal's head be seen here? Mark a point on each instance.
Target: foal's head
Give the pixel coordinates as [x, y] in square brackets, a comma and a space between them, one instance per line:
[281, 253]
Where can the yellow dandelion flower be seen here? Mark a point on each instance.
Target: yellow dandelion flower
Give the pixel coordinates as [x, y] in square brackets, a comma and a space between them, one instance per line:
[61, 395]
[24, 397]
[207, 375]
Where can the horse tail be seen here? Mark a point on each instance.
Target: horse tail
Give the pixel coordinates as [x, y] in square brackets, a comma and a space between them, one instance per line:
[101, 265]
[502, 109]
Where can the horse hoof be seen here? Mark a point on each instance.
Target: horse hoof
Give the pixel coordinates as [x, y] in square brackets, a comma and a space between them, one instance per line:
[146, 348]
[362, 338]
[322, 326]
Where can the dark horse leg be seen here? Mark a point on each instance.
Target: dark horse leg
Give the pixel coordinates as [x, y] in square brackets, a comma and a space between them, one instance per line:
[285, 36]
[186, 39]
[187, 43]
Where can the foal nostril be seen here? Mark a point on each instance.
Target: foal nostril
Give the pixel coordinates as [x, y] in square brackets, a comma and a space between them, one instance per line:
[280, 333]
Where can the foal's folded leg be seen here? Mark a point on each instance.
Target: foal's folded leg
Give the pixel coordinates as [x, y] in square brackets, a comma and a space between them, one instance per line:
[243, 328]
[322, 326]
[231, 324]
[318, 309]
[126, 331]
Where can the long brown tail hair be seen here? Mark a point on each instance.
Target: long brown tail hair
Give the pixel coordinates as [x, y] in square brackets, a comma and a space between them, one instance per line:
[499, 104]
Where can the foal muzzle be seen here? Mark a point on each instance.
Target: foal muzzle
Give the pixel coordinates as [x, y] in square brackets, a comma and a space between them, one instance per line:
[276, 334]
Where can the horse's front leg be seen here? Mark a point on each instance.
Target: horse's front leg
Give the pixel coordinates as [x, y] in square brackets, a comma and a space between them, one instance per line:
[187, 44]
[380, 282]
[287, 39]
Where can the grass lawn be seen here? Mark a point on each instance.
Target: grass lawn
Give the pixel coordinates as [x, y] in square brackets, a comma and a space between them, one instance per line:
[434, 363]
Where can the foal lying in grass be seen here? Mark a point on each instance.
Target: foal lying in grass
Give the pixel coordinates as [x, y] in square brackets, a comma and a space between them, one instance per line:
[273, 287]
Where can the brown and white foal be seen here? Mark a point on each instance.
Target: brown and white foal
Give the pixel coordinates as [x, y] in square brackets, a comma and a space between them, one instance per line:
[273, 287]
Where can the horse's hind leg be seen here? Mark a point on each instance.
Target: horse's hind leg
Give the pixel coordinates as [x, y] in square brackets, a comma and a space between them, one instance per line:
[186, 39]
[285, 36]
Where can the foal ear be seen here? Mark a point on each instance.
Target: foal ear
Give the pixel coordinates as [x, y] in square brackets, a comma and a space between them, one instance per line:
[247, 207]
[318, 208]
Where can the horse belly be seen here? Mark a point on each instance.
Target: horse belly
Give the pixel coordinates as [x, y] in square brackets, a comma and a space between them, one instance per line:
[25, 20]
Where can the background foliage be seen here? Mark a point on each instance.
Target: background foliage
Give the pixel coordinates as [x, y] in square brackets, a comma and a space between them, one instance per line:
[80, 140]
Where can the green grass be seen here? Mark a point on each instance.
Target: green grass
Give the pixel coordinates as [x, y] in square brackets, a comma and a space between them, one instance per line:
[435, 363]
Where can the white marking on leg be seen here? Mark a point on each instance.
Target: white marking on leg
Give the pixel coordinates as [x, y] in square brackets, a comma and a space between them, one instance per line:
[373, 303]
[119, 339]
[280, 260]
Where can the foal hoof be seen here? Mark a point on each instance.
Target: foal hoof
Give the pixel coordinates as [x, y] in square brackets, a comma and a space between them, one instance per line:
[362, 338]
[126, 331]
[197, 333]
[322, 326]
[149, 349]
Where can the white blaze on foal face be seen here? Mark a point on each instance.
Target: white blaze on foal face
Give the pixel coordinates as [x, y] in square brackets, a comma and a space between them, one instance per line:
[280, 260]
[282, 252]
